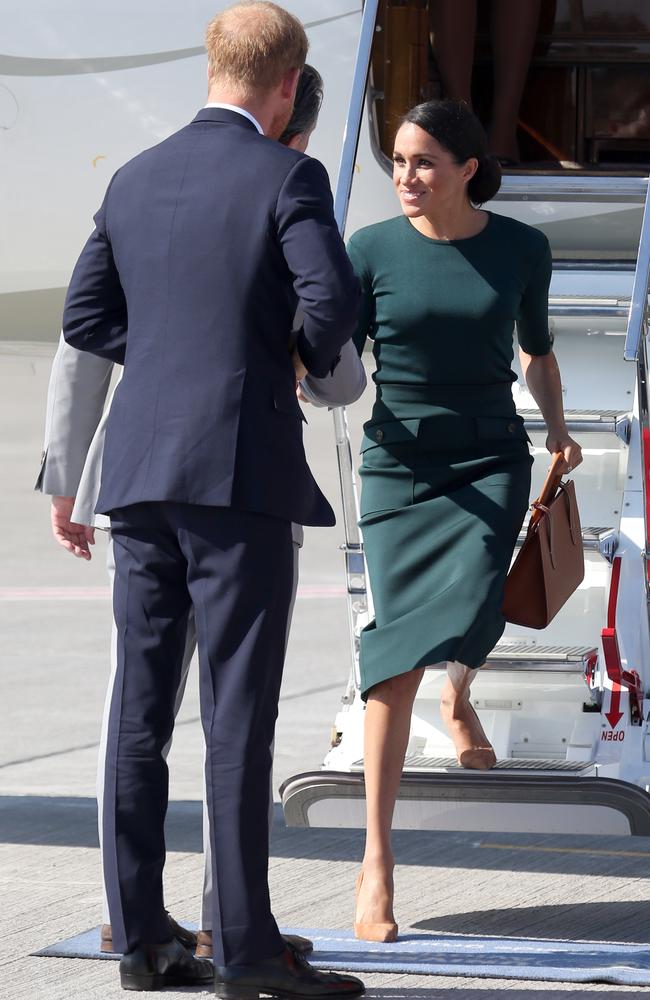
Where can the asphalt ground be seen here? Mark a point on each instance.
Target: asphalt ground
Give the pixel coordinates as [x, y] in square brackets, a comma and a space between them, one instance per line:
[55, 621]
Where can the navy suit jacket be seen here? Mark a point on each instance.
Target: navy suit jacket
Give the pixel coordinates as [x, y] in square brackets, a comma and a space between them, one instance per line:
[203, 247]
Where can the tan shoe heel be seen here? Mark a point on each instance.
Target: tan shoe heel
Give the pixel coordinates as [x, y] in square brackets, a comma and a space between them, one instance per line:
[383, 932]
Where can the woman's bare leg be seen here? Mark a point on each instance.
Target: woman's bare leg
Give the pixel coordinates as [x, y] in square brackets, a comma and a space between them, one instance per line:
[453, 26]
[473, 748]
[514, 27]
[386, 734]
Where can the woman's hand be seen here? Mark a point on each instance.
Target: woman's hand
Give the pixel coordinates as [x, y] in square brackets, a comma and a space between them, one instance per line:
[571, 450]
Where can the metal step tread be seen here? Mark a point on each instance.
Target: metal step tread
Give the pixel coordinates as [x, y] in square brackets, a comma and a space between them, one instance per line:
[607, 421]
[592, 537]
[421, 762]
[588, 305]
[512, 654]
[588, 415]
[583, 186]
[556, 299]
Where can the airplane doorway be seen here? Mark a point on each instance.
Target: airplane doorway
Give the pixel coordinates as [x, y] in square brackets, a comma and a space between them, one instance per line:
[571, 75]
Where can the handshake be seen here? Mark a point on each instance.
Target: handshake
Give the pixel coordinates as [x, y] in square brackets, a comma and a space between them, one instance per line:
[342, 386]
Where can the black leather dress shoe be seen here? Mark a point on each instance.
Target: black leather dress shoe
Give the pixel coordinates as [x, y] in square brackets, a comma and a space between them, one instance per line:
[187, 938]
[303, 945]
[289, 975]
[157, 966]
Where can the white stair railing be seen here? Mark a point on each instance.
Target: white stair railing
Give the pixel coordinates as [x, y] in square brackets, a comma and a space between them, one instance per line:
[358, 600]
[637, 351]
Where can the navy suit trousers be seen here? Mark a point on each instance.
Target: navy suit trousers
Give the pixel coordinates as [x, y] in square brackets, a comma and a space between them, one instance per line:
[236, 570]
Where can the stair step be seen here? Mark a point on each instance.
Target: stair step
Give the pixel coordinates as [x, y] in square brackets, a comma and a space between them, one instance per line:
[417, 762]
[601, 540]
[543, 185]
[592, 305]
[511, 654]
[581, 421]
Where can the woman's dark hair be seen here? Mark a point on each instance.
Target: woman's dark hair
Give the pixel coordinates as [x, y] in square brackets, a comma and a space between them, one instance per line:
[309, 97]
[458, 130]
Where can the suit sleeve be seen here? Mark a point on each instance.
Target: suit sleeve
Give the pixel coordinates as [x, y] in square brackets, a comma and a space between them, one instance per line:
[315, 254]
[366, 321]
[95, 315]
[76, 396]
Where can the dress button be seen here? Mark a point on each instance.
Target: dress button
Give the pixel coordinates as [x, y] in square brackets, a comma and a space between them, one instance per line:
[379, 435]
[512, 427]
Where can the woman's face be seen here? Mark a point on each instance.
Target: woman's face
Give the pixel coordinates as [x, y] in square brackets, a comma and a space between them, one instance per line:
[426, 176]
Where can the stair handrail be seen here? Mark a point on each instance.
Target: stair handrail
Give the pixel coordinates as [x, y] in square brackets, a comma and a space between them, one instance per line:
[637, 350]
[358, 597]
[349, 495]
[355, 111]
[637, 318]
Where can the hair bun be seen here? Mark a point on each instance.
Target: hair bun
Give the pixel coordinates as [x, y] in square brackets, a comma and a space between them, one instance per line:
[486, 181]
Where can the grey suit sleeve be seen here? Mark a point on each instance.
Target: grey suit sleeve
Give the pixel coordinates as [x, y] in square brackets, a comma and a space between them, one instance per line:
[75, 401]
[91, 478]
[343, 386]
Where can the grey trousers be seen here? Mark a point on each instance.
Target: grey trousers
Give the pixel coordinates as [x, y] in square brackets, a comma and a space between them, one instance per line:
[205, 920]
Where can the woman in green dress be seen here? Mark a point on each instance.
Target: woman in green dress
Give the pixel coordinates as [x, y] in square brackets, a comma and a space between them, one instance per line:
[446, 465]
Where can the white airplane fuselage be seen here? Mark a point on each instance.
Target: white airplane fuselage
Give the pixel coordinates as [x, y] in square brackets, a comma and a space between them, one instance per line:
[84, 87]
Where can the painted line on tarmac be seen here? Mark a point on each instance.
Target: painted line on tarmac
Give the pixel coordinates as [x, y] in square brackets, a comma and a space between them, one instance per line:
[49, 754]
[566, 850]
[8, 595]
[12, 594]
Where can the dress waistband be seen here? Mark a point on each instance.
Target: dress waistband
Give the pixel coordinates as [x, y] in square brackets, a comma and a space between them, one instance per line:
[442, 395]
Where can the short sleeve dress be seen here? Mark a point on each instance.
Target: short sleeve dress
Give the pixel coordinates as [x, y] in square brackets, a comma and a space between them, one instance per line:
[445, 460]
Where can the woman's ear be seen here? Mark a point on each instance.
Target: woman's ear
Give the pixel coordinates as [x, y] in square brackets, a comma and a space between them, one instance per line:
[469, 168]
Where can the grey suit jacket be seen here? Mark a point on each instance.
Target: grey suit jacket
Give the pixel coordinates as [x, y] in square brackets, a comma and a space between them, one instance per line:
[78, 404]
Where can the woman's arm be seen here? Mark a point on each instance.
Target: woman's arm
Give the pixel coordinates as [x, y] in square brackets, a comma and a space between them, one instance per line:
[543, 379]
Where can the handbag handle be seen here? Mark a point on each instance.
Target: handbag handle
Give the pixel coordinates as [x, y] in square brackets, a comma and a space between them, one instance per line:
[549, 489]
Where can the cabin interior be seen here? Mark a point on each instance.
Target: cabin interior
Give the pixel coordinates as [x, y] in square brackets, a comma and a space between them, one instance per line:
[560, 85]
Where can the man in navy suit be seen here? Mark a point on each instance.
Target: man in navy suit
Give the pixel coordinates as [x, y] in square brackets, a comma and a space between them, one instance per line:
[203, 248]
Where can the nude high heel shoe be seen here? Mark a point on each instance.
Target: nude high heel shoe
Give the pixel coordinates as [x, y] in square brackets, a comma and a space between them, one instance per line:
[382, 932]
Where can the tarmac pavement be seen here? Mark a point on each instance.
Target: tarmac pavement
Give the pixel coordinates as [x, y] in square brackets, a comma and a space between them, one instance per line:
[55, 622]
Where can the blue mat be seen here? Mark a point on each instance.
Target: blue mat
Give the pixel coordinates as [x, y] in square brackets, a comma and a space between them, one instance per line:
[449, 955]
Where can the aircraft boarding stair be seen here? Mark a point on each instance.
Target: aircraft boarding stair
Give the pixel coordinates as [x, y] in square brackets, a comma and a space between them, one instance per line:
[566, 708]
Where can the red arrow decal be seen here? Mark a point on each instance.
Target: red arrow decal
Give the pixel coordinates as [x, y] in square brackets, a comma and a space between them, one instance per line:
[614, 716]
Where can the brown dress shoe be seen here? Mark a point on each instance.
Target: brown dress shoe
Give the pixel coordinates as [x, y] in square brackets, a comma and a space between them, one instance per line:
[106, 939]
[187, 938]
[301, 945]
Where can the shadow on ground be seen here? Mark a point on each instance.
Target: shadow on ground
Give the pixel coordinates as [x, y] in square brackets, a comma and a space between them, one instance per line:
[460, 992]
[72, 822]
[602, 921]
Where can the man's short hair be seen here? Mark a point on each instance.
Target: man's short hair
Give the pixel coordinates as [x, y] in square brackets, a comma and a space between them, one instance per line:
[251, 45]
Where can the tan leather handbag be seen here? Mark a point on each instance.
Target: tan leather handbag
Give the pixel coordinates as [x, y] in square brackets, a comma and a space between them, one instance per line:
[550, 564]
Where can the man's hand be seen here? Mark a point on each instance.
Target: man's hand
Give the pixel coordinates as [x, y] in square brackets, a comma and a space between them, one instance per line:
[76, 538]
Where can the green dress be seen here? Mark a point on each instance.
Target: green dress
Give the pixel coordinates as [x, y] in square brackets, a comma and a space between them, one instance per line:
[445, 461]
